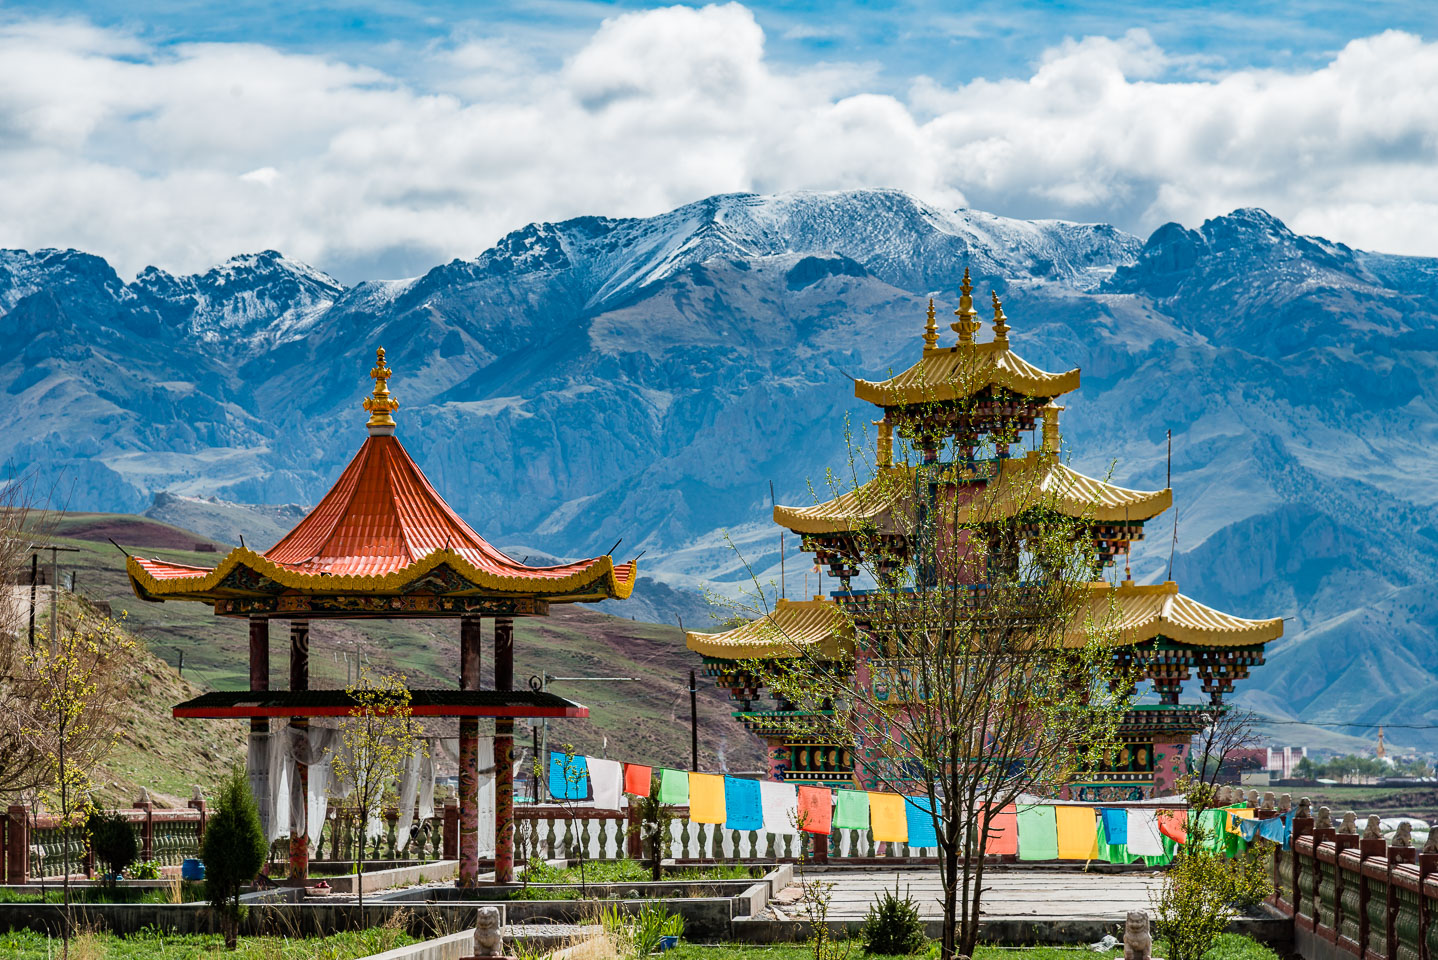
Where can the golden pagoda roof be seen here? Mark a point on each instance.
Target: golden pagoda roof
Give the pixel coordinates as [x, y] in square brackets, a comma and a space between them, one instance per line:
[1038, 479]
[1143, 612]
[1041, 479]
[855, 508]
[381, 530]
[1138, 612]
[963, 370]
[792, 626]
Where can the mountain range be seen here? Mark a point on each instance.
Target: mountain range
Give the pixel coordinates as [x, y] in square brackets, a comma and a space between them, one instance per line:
[647, 379]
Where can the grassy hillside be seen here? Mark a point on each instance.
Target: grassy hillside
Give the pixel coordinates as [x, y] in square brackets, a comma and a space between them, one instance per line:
[646, 721]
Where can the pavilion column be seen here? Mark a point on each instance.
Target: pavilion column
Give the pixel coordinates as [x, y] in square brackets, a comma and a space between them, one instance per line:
[469, 657]
[259, 752]
[504, 755]
[300, 680]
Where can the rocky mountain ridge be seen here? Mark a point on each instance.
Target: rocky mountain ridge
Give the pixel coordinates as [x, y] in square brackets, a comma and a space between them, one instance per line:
[601, 378]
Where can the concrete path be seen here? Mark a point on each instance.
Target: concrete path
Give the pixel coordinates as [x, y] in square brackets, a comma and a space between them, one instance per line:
[1028, 894]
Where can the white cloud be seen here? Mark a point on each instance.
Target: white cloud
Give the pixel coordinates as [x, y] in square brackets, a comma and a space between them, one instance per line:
[184, 156]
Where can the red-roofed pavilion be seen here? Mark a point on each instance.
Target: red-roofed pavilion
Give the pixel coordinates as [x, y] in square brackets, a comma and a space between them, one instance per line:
[384, 544]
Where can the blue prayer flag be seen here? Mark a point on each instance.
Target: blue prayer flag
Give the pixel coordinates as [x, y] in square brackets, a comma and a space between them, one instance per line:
[919, 814]
[568, 782]
[743, 805]
[1115, 824]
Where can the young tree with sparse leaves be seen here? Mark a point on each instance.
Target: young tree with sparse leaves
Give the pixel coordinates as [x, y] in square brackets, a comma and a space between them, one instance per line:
[979, 665]
[375, 740]
[69, 694]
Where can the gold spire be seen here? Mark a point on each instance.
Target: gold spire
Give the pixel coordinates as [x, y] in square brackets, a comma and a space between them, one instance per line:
[380, 403]
[968, 324]
[931, 331]
[886, 441]
[1001, 325]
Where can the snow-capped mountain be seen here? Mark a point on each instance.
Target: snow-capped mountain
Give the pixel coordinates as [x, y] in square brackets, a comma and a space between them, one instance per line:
[600, 378]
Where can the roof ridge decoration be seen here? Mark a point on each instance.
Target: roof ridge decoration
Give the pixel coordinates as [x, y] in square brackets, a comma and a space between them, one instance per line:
[931, 330]
[379, 403]
[1001, 325]
[968, 324]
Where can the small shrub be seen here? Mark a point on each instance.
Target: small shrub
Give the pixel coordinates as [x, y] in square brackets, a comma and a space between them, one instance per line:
[893, 926]
[146, 870]
[1202, 892]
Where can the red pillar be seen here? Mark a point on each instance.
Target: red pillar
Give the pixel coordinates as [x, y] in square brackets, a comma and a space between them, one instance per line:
[17, 852]
[300, 680]
[469, 653]
[147, 829]
[504, 756]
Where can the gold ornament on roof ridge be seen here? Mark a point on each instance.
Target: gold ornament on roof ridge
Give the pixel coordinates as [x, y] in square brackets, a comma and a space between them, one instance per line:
[380, 403]
[931, 330]
[968, 323]
[1001, 326]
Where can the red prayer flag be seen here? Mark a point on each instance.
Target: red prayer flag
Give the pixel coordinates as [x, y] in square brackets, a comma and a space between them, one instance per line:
[637, 779]
[816, 810]
[1003, 836]
[1173, 824]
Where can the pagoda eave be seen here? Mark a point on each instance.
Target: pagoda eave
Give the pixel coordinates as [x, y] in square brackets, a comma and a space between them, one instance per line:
[517, 704]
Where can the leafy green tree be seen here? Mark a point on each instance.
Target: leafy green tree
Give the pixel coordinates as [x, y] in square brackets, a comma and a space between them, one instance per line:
[233, 850]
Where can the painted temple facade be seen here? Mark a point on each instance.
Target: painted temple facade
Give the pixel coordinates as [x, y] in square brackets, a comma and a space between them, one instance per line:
[954, 404]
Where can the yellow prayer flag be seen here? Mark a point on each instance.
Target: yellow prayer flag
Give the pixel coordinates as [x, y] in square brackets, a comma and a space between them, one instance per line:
[1078, 832]
[1234, 816]
[886, 818]
[706, 798]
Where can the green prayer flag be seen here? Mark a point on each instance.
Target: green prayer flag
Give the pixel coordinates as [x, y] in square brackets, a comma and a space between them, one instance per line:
[673, 787]
[852, 812]
[1038, 832]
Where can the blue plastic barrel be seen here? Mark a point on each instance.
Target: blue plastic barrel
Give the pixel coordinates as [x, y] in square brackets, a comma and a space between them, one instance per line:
[192, 869]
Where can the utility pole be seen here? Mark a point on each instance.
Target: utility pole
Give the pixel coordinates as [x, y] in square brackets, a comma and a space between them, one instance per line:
[34, 576]
[693, 724]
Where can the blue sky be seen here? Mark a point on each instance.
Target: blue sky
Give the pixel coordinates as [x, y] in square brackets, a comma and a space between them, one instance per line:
[950, 42]
[375, 139]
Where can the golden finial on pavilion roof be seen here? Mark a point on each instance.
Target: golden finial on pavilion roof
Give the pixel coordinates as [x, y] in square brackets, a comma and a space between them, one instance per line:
[380, 403]
[1001, 325]
[931, 331]
[968, 323]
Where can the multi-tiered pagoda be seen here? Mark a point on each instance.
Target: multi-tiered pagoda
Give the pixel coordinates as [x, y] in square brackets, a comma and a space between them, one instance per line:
[973, 403]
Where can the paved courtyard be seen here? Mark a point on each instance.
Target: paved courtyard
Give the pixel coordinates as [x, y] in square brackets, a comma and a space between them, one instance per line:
[1028, 893]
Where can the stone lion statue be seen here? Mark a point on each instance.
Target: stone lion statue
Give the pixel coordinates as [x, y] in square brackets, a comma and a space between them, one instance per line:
[1305, 808]
[1403, 836]
[487, 941]
[1137, 941]
[1372, 831]
[1350, 824]
[1432, 845]
[1325, 819]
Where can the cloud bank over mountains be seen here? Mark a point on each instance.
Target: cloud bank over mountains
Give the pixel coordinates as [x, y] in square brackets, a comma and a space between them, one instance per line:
[179, 155]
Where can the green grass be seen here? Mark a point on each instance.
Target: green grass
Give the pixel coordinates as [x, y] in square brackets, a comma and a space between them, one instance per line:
[191, 892]
[632, 871]
[156, 945]
[1230, 947]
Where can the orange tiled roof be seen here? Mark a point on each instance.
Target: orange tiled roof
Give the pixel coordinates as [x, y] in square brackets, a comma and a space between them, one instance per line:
[381, 528]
